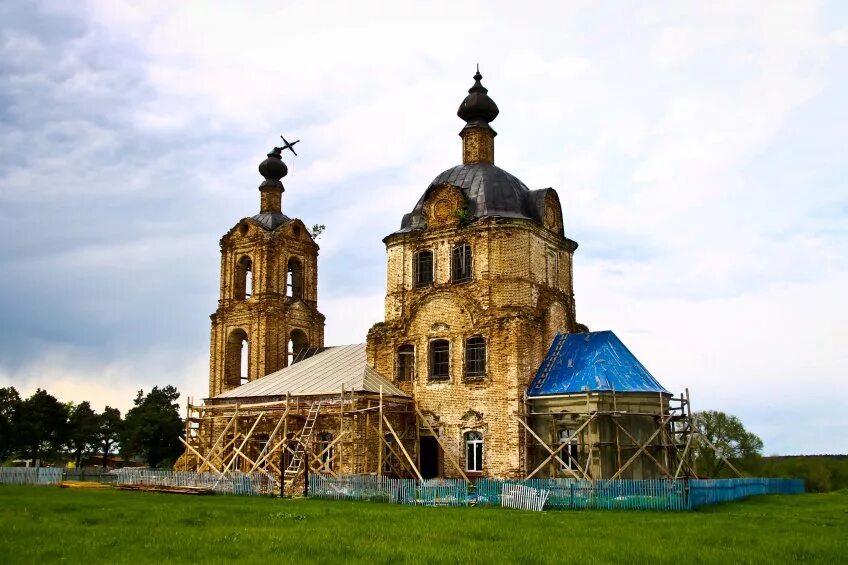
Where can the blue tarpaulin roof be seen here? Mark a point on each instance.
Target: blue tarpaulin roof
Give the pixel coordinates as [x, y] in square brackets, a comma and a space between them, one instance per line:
[593, 361]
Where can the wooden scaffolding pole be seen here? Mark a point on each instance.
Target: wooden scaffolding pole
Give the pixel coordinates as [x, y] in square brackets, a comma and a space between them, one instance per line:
[382, 438]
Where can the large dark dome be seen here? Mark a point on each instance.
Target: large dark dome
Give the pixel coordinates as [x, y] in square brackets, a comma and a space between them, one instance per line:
[490, 190]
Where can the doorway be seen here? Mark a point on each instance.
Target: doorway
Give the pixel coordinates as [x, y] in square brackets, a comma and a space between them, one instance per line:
[429, 457]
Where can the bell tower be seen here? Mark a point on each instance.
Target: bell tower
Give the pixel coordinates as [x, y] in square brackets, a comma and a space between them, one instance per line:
[268, 303]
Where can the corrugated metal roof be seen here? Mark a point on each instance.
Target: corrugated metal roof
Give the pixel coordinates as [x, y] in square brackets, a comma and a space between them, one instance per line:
[590, 362]
[323, 373]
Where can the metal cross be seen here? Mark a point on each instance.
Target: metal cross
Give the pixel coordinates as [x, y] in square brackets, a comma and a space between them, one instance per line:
[289, 146]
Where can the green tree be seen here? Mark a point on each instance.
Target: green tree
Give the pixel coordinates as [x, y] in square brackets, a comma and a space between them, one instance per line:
[108, 430]
[730, 437]
[10, 402]
[41, 426]
[152, 427]
[83, 424]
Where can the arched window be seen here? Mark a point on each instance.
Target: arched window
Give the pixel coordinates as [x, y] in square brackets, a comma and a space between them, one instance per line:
[439, 359]
[325, 450]
[474, 452]
[461, 263]
[569, 453]
[298, 343]
[475, 357]
[237, 359]
[406, 362]
[294, 279]
[243, 283]
[422, 269]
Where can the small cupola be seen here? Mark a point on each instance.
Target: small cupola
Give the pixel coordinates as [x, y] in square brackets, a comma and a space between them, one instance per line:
[478, 137]
[272, 169]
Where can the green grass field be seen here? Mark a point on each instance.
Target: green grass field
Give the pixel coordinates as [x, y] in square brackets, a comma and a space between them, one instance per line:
[47, 524]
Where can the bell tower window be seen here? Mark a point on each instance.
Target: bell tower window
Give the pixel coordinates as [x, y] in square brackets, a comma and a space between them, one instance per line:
[294, 279]
[237, 359]
[422, 269]
[298, 344]
[461, 263]
[243, 283]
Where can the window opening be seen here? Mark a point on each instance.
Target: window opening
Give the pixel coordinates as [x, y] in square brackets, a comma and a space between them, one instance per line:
[474, 451]
[475, 357]
[461, 263]
[439, 359]
[569, 453]
[237, 359]
[243, 287]
[294, 279]
[406, 363]
[389, 459]
[297, 343]
[324, 441]
[423, 269]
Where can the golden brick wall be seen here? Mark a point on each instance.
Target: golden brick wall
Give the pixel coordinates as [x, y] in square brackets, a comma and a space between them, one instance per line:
[268, 316]
[515, 300]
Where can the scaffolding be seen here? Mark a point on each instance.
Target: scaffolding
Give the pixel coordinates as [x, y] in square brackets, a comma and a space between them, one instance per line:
[606, 442]
[372, 434]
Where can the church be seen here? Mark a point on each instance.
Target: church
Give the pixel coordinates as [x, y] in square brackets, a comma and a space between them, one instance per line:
[478, 369]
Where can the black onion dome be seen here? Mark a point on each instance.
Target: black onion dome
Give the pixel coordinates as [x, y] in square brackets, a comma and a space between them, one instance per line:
[489, 191]
[273, 168]
[477, 106]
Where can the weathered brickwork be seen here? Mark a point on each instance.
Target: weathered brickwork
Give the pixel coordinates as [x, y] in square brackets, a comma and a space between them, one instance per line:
[519, 295]
[273, 313]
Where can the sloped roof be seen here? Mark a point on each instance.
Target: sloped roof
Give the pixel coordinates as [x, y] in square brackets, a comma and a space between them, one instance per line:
[591, 362]
[323, 373]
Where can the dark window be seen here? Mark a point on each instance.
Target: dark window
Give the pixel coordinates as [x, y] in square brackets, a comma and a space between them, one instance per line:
[243, 284]
[294, 279]
[461, 263]
[568, 453]
[406, 363]
[439, 359]
[423, 269]
[475, 357]
[237, 365]
[325, 450]
[298, 342]
[390, 462]
[474, 451]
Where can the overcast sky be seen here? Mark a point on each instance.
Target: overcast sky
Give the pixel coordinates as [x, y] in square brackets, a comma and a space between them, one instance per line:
[699, 150]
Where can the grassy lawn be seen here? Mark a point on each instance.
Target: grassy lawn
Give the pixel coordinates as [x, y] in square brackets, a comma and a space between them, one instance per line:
[47, 524]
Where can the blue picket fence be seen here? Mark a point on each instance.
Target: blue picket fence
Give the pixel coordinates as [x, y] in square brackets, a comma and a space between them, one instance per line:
[579, 495]
[661, 494]
[242, 484]
[714, 491]
[30, 475]
[431, 492]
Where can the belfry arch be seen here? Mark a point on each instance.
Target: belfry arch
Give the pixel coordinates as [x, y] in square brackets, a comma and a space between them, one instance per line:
[243, 283]
[294, 279]
[237, 358]
[298, 341]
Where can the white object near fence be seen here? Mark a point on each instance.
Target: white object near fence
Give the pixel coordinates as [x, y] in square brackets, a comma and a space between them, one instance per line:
[523, 497]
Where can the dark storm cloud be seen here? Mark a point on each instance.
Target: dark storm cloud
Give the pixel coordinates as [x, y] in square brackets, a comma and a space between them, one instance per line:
[98, 217]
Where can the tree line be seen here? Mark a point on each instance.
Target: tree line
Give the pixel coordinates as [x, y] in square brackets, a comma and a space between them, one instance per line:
[41, 428]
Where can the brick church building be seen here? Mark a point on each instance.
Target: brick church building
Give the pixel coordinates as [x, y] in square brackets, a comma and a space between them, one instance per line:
[479, 367]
